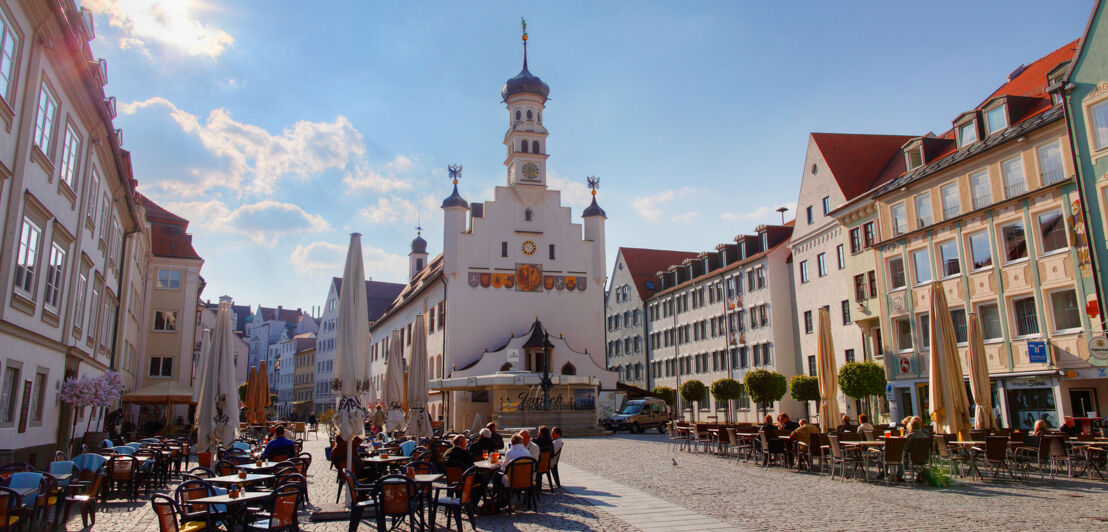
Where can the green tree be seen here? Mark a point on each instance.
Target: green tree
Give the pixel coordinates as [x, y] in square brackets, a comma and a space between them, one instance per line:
[804, 388]
[861, 380]
[242, 392]
[725, 391]
[764, 387]
[665, 393]
[692, 391]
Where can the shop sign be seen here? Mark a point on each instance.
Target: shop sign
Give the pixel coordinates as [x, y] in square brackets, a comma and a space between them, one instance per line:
[1028, 382]
[1098, 351]
[905, 365]
[1036, 352]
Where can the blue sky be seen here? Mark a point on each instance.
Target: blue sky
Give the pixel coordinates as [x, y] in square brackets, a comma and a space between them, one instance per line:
[279, 127]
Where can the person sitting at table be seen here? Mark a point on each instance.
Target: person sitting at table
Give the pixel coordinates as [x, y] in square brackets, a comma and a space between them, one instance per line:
[458, 453]
[280, 447]
[484, 444]
[338, 457]
[496, 438]
[517, 450]
[846, 425]
[544, 441]
[556, 436]
[864, 424]
[531, 446]
[802, 430]
[785, 424]
[769, 428]
[915, 430]
[1069, 428]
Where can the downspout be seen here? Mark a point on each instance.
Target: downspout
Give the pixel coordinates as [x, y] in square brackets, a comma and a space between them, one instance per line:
[445, 396]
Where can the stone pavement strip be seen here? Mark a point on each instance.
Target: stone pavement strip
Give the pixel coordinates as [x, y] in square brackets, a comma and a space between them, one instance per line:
[645, 512]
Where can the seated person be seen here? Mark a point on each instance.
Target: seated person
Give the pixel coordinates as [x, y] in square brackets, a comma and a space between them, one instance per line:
[496, 438]
[484, 444]
[1069, 428]
[531, 446]
[338, 457]
[769, 428]
[864, 424]
[846, 425]
[544, 441]
[280, 447]
[915, 429]
[517, 450]
[458, 453]
[786, 424]
[800, 434]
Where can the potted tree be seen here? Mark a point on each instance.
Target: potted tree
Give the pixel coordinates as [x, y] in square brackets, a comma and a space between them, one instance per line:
[764, 387]
[726, 390]
[692, 391]
[804, 388]
[665, 393]
[862, 380]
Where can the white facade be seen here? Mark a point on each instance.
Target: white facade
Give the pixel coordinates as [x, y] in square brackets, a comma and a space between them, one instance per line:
[325, 351]
[626, 327]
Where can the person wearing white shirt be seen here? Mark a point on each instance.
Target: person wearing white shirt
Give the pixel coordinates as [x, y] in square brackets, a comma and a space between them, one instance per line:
[517, 450]
[556, 434]
[531, 446]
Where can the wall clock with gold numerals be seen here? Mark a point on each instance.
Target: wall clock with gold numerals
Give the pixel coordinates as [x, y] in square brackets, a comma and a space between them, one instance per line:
[528, 248]
[530, 171]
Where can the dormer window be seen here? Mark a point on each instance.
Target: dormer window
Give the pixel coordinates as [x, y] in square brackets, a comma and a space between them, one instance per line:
[996, 119]
[967, 134]
[914, 158]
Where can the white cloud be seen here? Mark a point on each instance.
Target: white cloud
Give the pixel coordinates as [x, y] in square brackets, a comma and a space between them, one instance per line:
[766, 213]
[256, 159]
[686, 217]
[363, 178]
[168, 23]
[390, 210]
[574, 193]
[326, 259]
[263, 222]
[650, 207]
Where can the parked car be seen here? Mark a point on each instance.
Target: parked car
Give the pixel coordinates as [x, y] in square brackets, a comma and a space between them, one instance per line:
[638, 415]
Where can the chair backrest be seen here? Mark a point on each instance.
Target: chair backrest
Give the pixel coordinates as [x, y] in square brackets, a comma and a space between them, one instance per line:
[996, 448]
[557, 456]
[814, 442]
[62, 467]
[978, 434]
[453, 471]
[224, 467]
[24, 480]
[121, 467]
[9, 502]
[394, 495]
[291, 478]
[919, 450]
[283, 504]
[189, 490]
[762, 438]
[849, 436]
[868, 434]
[465, 485]
[836, 451]
[942, 447]
[1057, 447]
[421, 467]
[306, 457]
[894, 449]
[201, 472]
[357, 491]
[166, 511]
[89, 461]
[520, 473]
[124, 449]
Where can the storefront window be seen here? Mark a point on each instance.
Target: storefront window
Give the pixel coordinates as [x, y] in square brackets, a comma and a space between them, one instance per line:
[1028, 405]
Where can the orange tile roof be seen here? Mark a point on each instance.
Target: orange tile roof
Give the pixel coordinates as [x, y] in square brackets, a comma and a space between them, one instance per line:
[167, 232]
[643, 263]
[857, 160]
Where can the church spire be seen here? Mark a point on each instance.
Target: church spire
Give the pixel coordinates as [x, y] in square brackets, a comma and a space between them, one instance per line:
[523, 22]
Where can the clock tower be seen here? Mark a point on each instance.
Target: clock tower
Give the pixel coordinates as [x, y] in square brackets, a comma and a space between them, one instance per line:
[525, 96]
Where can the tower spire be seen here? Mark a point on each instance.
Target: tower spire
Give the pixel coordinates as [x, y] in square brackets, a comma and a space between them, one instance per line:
[523, 22]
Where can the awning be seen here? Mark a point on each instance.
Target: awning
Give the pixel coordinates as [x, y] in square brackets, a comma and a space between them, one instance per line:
[161, 393]
[509, 378]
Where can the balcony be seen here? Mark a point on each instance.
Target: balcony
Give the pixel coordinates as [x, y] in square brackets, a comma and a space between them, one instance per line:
[1053, 176]
[1014, 189]
[981, 201]
[951, 212]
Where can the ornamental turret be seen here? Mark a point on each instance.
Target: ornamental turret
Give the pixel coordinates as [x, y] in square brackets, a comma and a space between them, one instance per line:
[525, 95]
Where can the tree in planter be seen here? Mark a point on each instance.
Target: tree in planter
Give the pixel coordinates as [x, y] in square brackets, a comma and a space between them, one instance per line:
[764, 387]
[665, 393]
[692, 391]
[804, 388]
[725, 391]
[242, 393]
[861, 380]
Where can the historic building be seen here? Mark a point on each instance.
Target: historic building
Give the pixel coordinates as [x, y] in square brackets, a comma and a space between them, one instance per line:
[631, 283]
[829, 257]
[303, 394]
[722, 313]
[990, 209]
[518, 288]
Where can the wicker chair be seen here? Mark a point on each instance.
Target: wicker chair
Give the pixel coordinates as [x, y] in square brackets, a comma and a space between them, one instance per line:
[843, 458]
[168, 514]
[281, 509]
[396, 498]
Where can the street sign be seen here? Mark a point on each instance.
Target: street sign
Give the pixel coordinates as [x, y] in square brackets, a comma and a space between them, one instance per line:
[890, 392]
[1036, 352]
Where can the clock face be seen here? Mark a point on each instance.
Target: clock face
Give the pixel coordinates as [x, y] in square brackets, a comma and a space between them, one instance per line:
[530, 171]
[528, 248]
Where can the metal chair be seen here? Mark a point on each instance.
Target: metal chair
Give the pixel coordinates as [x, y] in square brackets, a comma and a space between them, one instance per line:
[463, 498]
[281, 509]
[520, 475]
[892, 455]
[396, 498]
[843, 458]
[168, 515]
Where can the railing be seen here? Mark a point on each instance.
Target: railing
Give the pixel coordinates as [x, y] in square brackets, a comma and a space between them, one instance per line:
[1014, 189]
[951, 212]
[1053, 176]
[981, 201]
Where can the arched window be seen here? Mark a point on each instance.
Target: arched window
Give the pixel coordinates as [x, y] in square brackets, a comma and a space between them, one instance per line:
[529, 114]
[523, 146]
[506, 367]
[517, 116]
[535, 147]
[568, 369]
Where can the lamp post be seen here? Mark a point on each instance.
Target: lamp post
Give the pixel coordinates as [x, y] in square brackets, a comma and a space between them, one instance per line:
[545, 384]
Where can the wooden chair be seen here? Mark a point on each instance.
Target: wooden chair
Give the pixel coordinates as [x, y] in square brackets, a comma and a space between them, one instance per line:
[463, 498]
[521, 479]
[281, 509]
[10, 513]
[168, 515]
[396, 498]
[84, 496]
[122, 471]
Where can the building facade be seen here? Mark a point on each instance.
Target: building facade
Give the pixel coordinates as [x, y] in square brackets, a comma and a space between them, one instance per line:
[632, 281]
[722, 314]
[304, 381]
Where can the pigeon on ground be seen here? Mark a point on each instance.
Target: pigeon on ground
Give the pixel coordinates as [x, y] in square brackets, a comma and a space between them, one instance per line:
[674, 462]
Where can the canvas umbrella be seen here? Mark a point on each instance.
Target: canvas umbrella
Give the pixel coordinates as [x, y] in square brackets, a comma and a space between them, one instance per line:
[352, 348]
[248, 397]
[419, 421]
[217, 414]
[979, 376]
[205, 357]
[826, 373]
[261, 393]
[394, 385]
[949, 405]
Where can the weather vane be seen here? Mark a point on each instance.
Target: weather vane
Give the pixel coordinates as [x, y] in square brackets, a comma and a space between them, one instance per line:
[455, 171]
[594, 183]
[523, 22]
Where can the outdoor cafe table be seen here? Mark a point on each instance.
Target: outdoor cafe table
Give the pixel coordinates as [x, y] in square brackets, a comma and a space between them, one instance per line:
[253, 466]
[235, 479]
[235, 506]
[486, 464]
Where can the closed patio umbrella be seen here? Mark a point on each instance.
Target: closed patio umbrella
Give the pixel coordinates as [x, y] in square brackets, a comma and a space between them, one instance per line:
[826, 373]
[352, 348]
[419, 421]
[248, 401]
[261, 392]
[394, 385]
[979, 376]
[217, 414]
[949, 405]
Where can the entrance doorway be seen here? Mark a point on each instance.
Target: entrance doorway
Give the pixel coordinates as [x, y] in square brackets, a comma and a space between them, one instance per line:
[1083, 401]
[923, 398]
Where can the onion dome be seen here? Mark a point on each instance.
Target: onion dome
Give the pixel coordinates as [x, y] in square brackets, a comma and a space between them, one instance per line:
[525, 81]
[455, 200]
[593, 210]
[419, 245]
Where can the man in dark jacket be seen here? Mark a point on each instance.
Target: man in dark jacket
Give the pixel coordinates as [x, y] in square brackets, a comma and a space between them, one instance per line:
[484, 444]
[458, 454]
[543, 440]
[496, 438]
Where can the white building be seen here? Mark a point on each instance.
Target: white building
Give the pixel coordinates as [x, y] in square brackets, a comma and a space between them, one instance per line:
[516, 268]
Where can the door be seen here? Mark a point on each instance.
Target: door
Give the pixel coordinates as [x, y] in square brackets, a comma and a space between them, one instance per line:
[1083, 401]
[904, 405]
[923, 398]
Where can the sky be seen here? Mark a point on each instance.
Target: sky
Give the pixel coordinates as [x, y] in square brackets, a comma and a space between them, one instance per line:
[280, 127]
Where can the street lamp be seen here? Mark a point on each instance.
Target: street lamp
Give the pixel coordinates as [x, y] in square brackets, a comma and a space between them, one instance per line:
[545, 383]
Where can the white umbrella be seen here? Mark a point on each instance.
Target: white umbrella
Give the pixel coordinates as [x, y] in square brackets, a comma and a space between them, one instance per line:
[217, 413]
[351, 349]
[394, 384]
[205, 356]
[419, 421]
[826, 373]
[948, 402]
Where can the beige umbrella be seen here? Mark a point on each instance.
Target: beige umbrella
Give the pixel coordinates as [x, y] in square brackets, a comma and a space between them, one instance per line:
[394, 384]
[826, 373]
[352, 348]
[248, 402]
[216, 416]
[419, 421]
[979, 376]
[949, 405]
[261, 393]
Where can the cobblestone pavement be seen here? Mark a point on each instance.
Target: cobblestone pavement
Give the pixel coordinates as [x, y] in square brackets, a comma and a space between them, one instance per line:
[751, 497]
[556, 511]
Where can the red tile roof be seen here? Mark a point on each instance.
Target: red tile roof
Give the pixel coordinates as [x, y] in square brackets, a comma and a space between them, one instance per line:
[286, 315]
[857, 160]
[1032, 80]
[167, 232]
[643, 263]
